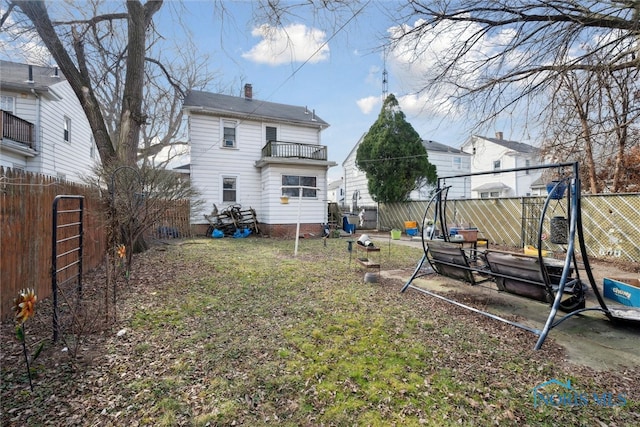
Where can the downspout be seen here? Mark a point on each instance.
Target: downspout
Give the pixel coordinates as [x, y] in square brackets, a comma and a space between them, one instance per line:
[38, 145]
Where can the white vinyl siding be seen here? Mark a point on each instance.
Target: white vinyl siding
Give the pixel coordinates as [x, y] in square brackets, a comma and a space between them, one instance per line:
[259, 188]
[53, 156]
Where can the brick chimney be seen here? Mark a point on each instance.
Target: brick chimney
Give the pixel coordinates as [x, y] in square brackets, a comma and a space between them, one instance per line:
[499, 135]
[248, 91]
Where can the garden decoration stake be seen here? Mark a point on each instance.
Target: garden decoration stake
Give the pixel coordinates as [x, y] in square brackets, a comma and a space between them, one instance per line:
[25, 306]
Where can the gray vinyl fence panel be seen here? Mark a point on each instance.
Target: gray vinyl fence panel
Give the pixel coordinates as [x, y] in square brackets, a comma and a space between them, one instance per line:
[611, 222]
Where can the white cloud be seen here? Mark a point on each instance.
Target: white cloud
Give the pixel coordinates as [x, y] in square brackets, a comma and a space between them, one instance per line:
[367, 104]
[416, 63]
[294, 43]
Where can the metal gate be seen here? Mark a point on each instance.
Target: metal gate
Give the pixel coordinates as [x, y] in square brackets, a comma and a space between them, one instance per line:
[66, 256]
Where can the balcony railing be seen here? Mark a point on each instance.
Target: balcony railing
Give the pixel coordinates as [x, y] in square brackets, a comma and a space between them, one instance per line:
[294, 150]
[18, 130]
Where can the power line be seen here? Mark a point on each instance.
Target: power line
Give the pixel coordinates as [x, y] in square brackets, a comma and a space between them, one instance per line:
[294, 72]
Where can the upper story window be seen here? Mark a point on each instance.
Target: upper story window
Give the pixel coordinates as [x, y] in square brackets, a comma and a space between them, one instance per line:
[496, 165]
[92, 148]
[290, 181]
[229, 134]
[67, 129]
[271, 133]
[8, 104]
[527, 163]
[457, 162]
[229, 189]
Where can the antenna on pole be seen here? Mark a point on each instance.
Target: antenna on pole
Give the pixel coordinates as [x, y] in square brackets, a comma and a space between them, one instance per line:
[385, 80]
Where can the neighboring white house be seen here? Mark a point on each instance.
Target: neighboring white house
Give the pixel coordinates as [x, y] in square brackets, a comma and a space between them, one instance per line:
[251, 152]
[356, 191]
[495, 154]
[44, 128]
[335, 192]
[448, 161]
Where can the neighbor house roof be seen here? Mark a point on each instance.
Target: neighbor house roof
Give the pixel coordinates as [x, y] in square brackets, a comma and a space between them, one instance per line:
[250, 108]
[491, 186]
[436, 146]
[519, 147]
[15, 76]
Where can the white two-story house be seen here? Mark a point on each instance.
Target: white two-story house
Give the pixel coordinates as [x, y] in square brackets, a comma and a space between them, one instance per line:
[259, 155]
[448, 161]
[44, 128]
[495, 154]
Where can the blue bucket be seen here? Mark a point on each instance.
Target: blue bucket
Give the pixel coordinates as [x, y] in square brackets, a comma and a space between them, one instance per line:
[411, 231]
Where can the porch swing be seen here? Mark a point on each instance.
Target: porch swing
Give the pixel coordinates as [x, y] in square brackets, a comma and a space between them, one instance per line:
[548, 280]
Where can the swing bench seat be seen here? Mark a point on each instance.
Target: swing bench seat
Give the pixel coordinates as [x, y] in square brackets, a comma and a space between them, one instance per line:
[512, 273]
[521, 275]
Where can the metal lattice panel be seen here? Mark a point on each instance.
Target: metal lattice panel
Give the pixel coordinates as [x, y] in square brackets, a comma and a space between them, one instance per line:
[611, 223]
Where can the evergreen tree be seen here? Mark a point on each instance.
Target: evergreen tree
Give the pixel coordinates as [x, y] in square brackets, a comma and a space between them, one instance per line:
[393, 157]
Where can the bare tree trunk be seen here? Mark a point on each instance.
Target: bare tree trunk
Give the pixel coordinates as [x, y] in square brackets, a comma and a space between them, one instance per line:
[79, 79]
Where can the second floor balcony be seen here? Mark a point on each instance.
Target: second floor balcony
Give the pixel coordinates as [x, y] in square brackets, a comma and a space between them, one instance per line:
[294, 150]
[18, 131]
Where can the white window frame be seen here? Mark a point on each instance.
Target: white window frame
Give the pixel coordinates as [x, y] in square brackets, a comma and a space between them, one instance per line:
[66, 126]
[223, 189]
[264, 133]
[304, 180]
[5, 100]
[229, 124]
[497, 165]
[92, 148]
[457, 162]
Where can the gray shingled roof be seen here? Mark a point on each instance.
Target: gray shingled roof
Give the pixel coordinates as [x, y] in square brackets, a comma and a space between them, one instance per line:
[15, 76]
[436, 146]
[236, 106]
[520, 147]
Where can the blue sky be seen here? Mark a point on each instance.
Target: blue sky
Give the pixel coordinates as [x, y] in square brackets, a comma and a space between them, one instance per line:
[334, 68]
[331, 65]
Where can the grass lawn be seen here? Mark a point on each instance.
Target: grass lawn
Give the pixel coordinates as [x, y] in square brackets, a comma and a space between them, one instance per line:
[241, 332]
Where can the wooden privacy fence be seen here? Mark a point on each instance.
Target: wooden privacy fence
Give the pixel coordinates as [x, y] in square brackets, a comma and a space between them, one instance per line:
[611, 222]
[26, 205]
[26, 201]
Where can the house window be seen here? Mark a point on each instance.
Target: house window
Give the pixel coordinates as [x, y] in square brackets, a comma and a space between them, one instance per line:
[496, 165]
[457, 162]
[8, 104]
[295, 180]
[271, 133]
[92, 148]
[489, 194]
[527, 163]
[67, 129]
[229, 189]
[229, 138]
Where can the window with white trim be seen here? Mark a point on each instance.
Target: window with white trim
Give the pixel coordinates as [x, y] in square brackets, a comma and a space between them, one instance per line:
[67, 129]
[457, 162]
[229, 134]
[270, 133]
[496, 165]
[294, 181]
[489, 194]
[8, 104]
[229, 189]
